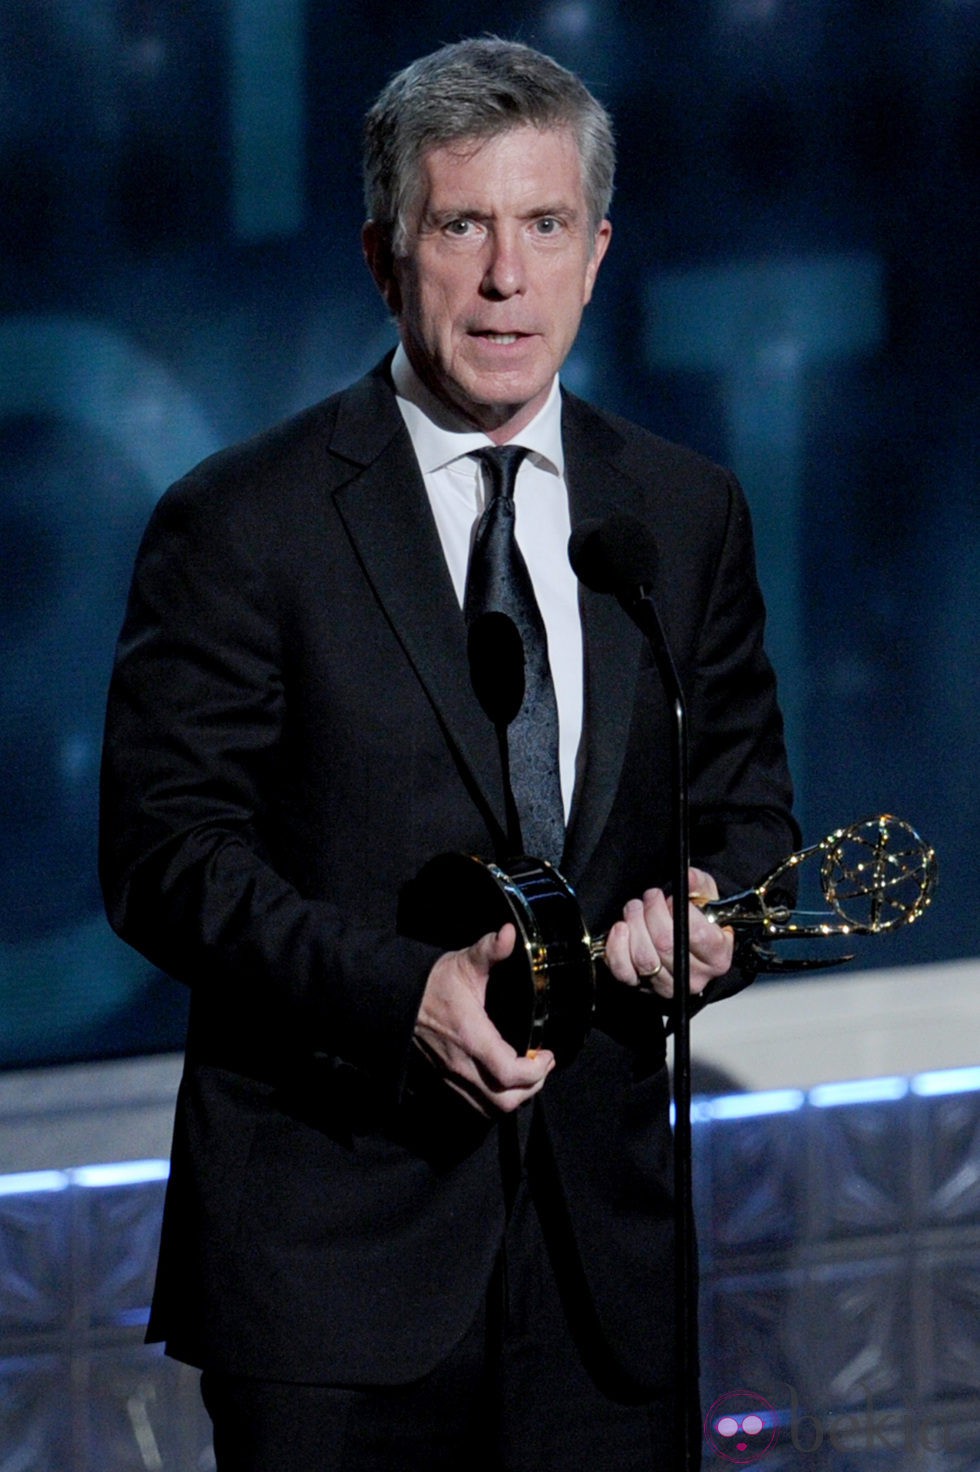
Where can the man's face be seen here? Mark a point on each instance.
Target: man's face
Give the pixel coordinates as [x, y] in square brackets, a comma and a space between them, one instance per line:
[498, 264]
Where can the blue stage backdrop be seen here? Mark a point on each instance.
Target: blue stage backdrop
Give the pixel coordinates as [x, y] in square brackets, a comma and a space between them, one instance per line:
[792, 288]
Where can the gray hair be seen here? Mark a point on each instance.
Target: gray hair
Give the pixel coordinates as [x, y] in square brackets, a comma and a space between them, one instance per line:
[477, 89]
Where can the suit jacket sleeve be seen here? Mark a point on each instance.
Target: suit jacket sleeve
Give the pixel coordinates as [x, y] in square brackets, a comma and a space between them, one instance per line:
[192, 839]
[706, 590]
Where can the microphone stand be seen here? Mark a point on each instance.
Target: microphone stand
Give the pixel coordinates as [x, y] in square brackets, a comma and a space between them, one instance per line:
[642, 610]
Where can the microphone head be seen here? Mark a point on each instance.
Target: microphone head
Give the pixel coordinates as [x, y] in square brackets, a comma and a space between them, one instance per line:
[496, 654]
[618, 555]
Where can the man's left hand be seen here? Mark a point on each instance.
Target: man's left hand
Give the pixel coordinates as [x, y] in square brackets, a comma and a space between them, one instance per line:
[640, 947]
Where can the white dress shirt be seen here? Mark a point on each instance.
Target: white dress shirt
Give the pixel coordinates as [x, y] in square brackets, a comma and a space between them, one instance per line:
[454, 482]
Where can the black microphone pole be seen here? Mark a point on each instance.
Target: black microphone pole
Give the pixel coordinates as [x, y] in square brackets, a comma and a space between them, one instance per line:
[618, 556]
[644, 613]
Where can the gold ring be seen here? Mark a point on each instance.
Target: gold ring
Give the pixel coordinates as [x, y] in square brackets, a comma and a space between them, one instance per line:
[645, 981]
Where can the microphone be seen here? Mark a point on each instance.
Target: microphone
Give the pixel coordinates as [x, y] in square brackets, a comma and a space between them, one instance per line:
[619, 556]
[496, 655]
[616, 556]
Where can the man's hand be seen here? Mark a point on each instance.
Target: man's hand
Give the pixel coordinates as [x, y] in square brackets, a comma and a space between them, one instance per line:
[640, 947]
[455, 1033]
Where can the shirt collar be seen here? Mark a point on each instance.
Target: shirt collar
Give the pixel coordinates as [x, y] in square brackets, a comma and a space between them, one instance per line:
[439, 436]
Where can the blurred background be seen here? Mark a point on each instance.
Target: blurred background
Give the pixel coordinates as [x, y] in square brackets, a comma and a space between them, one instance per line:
[792, 289]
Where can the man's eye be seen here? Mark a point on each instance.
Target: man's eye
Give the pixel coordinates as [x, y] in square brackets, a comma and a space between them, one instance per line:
[548, 225]
[459, 227]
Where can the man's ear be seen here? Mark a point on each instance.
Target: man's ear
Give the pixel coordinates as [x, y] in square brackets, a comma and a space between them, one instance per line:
[376, 244]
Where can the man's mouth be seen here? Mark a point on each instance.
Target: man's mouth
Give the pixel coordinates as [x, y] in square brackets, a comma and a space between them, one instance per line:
[504, 338]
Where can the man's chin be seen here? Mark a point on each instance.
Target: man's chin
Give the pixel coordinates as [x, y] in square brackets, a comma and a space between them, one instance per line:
[496, 407]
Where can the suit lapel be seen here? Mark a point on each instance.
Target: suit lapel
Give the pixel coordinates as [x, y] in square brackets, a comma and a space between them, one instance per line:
[597, 489]
[387, 515]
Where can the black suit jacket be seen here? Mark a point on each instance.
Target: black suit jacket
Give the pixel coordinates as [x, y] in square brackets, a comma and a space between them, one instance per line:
[291, 733]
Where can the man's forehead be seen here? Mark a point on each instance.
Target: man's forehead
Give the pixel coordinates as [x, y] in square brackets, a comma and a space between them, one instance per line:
[459, 152]
[524, 166]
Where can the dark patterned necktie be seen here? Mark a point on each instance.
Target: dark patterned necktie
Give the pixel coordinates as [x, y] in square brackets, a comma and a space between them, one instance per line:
[498, 581]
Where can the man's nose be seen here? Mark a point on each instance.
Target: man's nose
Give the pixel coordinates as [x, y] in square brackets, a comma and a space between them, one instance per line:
[505, 274]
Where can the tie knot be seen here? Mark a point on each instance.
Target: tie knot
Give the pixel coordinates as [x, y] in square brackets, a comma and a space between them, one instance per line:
[502, 463]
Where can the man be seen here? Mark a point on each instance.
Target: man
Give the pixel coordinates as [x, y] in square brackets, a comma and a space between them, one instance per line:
[391, 1240]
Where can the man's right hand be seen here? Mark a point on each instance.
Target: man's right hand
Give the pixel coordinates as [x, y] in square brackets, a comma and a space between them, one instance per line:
[455, 1033]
